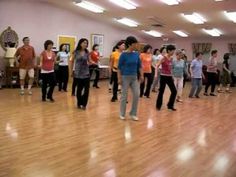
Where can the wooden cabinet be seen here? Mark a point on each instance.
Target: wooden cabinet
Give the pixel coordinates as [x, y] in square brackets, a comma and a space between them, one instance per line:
[13, 78]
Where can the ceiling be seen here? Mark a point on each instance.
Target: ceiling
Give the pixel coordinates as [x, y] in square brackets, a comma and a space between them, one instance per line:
[152, 12]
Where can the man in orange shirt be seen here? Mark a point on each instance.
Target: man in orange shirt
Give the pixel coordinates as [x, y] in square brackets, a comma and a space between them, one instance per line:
[26, 58]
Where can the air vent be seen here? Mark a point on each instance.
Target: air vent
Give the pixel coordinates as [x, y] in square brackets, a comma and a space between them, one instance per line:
[157, 25]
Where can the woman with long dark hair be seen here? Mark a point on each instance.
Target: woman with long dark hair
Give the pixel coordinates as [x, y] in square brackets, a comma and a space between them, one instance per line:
[81, 72]
[63, 58]
[167, 78]
[47, 61]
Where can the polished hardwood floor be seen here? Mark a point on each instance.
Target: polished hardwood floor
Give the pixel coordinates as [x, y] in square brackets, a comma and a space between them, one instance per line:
[58, 140]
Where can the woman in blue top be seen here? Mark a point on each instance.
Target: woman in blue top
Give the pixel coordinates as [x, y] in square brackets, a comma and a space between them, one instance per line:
[178, 71]
[81, 72]
[128, 68]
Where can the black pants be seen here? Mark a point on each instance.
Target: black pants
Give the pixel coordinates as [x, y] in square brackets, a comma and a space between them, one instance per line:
[82, 91]
[63, 77]
[149, 78]
[96, 69]
[211, 81]
[114, 76]
[48, 79]
[74, 85]
[170, 82]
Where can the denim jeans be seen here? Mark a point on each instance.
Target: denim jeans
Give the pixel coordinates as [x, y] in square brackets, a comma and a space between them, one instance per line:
[196, 87]
[132, 82]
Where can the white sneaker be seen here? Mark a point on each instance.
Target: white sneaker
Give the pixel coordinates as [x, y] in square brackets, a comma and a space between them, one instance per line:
[30, 92]
[22, 92]
[135, 118]
[122, 117]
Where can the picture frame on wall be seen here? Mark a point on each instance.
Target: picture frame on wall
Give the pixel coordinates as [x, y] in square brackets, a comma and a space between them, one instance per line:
[98, 39]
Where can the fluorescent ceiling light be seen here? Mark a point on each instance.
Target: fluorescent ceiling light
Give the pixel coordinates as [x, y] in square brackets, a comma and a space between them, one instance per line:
[231, 16]
[153, 33]
[180, 33]
[213, 32]
[171, 2]
[128, 22]
[195, 18]
[219, 0]
[89, 6]
[125, 4]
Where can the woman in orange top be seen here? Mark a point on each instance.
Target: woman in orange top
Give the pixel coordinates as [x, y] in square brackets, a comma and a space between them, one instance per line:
[114, 66]
[95, 57]
[146, 58]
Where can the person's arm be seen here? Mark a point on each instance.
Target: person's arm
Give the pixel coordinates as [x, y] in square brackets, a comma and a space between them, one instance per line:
[120, 65]
[111, 62]
[72, 62]
[157, 66]
[40, 61]
[58, 58]
[226, 69]
[90, 59]
[140, 69]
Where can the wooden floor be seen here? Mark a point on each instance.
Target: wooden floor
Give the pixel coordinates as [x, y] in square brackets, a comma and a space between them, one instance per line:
[57, 140]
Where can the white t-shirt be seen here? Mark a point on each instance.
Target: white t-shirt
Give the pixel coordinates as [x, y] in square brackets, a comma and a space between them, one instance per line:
[64, 58]
[160, 57]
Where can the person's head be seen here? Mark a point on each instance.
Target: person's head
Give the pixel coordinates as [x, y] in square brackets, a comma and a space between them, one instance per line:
[120, 45]
[48, 45]
[131, 43]
[95, 47]
[82, 45]
[214, 53]
[226, 57]
[198, 55]
[114, 48]
[156, 52]
[170, 49]
[179, 54]
[163, 50]
[26, 40]
[147, 49]
[63, 48]
[183, 51]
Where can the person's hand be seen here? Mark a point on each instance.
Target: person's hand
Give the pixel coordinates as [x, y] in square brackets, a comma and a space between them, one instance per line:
[73, 73]
[119, 80]
[203, 76]
[141, 79]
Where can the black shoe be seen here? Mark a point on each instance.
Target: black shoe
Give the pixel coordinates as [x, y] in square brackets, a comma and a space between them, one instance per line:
[64, 90]
[158, 108]
[51, 100]
[190, 96]
[206, 94]
[212, 94]
[43, 99]
[147, 96]
[172, 109]
[114, 99]
[197, 96]
[96, 86]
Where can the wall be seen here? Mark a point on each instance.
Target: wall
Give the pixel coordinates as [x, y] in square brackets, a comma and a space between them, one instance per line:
[220, 44]
[41, 21]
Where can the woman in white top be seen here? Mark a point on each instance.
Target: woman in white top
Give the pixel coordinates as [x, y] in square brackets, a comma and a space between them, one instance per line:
[63, 72]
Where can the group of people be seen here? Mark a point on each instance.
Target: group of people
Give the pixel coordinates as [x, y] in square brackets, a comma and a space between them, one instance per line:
[143, 72]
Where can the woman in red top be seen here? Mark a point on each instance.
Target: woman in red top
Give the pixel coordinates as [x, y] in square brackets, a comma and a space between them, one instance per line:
[166, 78]
[47, 61]
[95, 57]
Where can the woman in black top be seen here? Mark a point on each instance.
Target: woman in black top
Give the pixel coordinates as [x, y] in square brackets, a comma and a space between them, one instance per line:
[226, 75]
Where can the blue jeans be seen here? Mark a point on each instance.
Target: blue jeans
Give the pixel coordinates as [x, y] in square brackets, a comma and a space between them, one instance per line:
[132, 82]
[196, 87]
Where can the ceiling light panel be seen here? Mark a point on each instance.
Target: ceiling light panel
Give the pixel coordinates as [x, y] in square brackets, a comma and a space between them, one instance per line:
[126, 4]
[90, 6]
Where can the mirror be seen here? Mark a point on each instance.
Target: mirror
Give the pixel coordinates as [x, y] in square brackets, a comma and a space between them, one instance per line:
[9, 38]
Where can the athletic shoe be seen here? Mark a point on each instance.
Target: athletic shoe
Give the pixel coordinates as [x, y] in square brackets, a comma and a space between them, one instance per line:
[122, 117]
[22, 92]
[135, 118]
